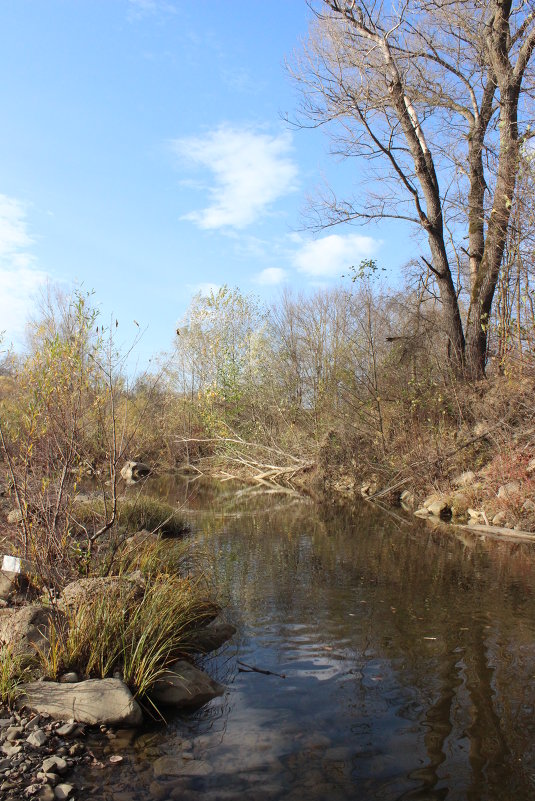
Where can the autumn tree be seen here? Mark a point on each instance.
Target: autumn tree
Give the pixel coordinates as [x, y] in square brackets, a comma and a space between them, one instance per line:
[435, 95]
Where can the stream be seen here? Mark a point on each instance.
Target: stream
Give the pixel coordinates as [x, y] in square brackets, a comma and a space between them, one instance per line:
[405, 659]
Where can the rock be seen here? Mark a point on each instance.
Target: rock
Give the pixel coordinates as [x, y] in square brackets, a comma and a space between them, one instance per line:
[475, 515]
[368, 488]
[211, 637]
[167, 766]
[185, 687]
[25, 628]
[95, 701]
[14, 733]
[11, 750]
[464, 479]
[86, 590]
[407, 500]
[423, 512]
[63, 791]
[46, 793]
[439, 508]
[509, 489]
[37, 738]
[54, 764]
[530, 469]
[528, 506]
[67, 729]
[8, 583]
[14, 516]
[133, 472]
[499, 519]
[69, 678]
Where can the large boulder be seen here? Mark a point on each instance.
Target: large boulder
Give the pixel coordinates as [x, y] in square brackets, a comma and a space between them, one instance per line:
[25, 628]
[87, 590]
[132, 472]
[185, 687]
[95, 701]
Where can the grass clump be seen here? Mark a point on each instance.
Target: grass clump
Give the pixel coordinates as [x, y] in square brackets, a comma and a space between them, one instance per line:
[13, 671]
[134, 514]
[137, 637]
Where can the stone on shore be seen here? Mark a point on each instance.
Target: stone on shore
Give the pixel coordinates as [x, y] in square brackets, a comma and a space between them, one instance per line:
[25, 628]
[132, 472]
[95, 701]
[186, 687]
[86, 590]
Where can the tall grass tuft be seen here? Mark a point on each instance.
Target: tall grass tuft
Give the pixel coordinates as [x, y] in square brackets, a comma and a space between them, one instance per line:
[13, 671]
[138, 638]
[135, 514]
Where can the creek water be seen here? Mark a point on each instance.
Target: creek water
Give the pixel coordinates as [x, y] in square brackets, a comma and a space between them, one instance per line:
[408, 657]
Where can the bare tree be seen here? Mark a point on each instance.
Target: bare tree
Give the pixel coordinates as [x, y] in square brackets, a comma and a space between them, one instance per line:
[434, 93]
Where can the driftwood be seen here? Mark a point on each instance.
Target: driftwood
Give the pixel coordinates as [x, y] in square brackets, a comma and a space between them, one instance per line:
[252, 458]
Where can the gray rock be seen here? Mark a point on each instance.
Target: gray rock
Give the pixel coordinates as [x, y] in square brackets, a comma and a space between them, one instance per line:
[185, 687]
[88, 589]
[132, 472]
[14, 733]
[37, 738]
[422, 512]
[439, 508]
[63, 791]
[211, 637]
[25, 628]
[499, 519]
[8, 583]
[54, 764]
[368, 488]
[11, 750]
[95, 701]
[67, 729]
[407, 500]
[530, 469]
[69, 678]
[528, 506]
[46, 793]
[509, 489]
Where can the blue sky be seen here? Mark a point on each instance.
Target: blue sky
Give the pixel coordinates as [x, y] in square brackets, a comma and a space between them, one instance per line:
[143, 154]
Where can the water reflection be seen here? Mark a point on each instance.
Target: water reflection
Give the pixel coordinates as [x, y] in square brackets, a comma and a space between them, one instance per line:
[408, 655]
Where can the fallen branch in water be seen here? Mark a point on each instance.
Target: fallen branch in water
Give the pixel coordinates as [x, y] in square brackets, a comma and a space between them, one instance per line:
[252, 669]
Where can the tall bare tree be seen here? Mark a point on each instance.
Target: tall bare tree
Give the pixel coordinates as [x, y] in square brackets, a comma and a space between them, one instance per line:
[435, 94]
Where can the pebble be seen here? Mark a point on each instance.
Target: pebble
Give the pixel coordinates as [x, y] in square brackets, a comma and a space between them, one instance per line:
[54, 764]
[37, 738]
[67, 729]
[69, 678]
[46, 794]
[63, 791]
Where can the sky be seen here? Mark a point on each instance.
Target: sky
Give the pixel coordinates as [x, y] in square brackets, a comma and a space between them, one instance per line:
[145, 156]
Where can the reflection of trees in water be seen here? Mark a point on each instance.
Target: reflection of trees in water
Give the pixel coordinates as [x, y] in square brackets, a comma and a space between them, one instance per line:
[371, 590]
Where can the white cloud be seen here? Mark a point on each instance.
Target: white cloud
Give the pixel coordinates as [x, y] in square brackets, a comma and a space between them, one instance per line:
[331, 256]
[19, 279]
[251, 170]
[205, 288]
[140, 8]
[271, 276]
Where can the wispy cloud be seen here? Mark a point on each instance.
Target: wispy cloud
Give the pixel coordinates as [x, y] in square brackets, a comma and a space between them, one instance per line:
[19, 278]
[250, 171]
[204, 288]
[271, 276]
[141, 8]
[332, 255]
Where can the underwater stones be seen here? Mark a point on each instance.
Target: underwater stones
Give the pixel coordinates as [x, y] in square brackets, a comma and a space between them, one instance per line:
[185, 687]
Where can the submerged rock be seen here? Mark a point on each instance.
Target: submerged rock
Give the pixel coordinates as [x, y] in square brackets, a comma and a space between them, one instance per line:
[210, 638]
[186, 687]
[95, 701]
